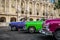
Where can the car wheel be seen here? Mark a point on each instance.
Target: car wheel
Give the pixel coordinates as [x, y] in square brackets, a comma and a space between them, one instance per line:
[31, 30]
[13, 28]
[57, 35]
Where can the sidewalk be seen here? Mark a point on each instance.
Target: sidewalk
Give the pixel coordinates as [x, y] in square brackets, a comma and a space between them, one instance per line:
[4, 24]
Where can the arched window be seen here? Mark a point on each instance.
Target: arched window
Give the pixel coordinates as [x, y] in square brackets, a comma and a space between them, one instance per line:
[37, 4]
[2, 19]
[43, 14]
[31, 19]
[30, 13]
[22, 12]
[13, 19]
[30, 2]
[22, 19]
[37, 19]
[22, 3]
[2, 2]
[37, 13]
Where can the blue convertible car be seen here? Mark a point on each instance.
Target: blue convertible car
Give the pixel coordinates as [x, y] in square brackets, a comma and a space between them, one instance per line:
[16, 25]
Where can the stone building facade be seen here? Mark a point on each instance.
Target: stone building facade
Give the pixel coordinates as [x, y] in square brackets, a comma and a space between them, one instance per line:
[16, 10]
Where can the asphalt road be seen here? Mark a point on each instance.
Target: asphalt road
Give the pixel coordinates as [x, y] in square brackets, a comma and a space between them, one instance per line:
[6, 34]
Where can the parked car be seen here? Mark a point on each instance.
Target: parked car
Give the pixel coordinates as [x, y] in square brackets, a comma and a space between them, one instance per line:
[34, 26]
[52, 27]
[16, 25]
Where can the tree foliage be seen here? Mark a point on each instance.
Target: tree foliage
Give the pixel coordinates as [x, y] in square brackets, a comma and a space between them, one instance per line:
[57, 5]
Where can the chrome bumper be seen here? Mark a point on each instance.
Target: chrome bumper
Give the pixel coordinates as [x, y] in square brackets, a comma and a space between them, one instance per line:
[44, 32]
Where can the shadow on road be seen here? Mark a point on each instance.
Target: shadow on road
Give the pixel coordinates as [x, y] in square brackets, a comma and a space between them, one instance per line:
[46, 37]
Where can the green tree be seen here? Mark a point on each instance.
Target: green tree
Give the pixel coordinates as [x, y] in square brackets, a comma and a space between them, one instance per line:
[57, 5]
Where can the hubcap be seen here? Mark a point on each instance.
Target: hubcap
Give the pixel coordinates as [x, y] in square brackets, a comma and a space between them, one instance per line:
[13, 28]
[31, 30]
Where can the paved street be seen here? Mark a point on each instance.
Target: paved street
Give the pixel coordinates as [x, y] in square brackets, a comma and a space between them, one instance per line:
[6, 34]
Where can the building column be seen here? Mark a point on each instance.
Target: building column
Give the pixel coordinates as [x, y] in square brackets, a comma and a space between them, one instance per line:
[16, 10]
[19, 9]
[34, 8]
[10, 6]
[5, 6]
[27, 9]
[0, 3]
[0, 6]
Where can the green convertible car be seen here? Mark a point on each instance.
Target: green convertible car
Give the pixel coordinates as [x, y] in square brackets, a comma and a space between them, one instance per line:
[34, 26]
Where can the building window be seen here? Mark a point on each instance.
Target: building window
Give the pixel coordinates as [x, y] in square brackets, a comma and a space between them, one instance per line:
[37, 13]
[54, 8]
[21, 4]
[42, 18]
[31, 19]
[30, 13]
[30, 2]
[2, 19]
[43, 14]
[37, 4]
[46, 14]
[13, 19]
[22, 19]
[40, 3]
[51, 14]
[13, 6]
[16, 11]
[59, 14]
[3, 3]
[22, 12]
[43, 5]
[37, 19]
[49, 6]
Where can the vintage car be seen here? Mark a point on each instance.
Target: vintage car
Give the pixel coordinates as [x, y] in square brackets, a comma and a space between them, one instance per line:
[34, 26]
[17, 25]
[51, 27]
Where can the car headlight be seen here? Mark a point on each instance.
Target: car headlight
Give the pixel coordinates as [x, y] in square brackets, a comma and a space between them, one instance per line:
[46, 26]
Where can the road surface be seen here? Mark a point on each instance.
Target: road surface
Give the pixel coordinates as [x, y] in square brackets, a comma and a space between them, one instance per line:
[6, 34]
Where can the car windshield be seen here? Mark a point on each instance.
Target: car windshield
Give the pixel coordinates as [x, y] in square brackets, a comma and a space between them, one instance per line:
[42, 19]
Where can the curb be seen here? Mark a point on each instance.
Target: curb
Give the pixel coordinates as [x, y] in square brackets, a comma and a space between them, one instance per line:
[4, 26]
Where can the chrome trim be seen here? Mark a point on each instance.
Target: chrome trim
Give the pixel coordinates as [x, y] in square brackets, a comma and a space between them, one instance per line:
[45, 32]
